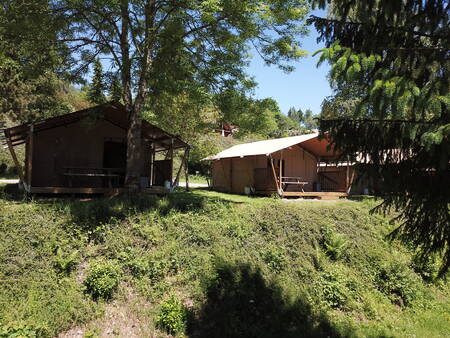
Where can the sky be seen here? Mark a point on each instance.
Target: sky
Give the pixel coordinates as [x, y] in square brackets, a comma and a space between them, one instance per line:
[304, 88]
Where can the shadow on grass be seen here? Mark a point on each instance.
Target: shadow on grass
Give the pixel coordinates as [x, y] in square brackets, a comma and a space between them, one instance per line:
[240, 303]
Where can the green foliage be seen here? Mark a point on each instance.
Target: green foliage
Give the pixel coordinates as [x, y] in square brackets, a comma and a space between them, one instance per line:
[96, 90]
[18, 330]
[29, 62]
[399, 283]
[333, 243]
[331, 290]
[65, 262]
[275, 259]
[172, 316]
[400, 118]
[427, 267]
[246, 266]
[102, 279]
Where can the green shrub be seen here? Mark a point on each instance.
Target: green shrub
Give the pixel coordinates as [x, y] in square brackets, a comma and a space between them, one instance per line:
[331, 290]
[333, 243]
[275, 259]
[398, 282]
[427, 267]
[65, 262]
[13, 330]
[172, 316]
[102, 279]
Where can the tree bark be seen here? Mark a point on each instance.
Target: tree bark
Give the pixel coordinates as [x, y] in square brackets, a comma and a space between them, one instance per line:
[133, 174]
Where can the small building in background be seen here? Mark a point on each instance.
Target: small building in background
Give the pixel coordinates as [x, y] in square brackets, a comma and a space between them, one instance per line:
[226, 129]
[86, 152]
[297, 166]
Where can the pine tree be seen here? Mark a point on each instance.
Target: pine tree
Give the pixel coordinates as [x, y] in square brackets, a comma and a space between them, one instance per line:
[396, 54]
[97, 88]
[293, 115]
[115, 89]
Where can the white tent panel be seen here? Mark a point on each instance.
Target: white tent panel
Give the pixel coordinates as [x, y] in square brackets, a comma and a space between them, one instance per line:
[265, 147]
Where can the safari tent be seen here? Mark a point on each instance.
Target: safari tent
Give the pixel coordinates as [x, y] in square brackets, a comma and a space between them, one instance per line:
[291, 166]
[85, 152]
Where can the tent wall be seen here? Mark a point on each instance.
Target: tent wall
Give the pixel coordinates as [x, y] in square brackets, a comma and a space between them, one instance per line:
[234, 174]
[299, 163]
[78, 144]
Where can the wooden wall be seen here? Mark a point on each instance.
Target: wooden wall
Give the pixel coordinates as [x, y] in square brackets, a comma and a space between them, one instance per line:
[75, 145]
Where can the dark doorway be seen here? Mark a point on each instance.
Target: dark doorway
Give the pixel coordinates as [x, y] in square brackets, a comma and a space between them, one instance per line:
[115, 155]
[162, 172]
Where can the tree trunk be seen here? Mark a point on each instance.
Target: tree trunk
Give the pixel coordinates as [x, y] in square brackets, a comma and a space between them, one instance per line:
[132, 179]
[133, 174]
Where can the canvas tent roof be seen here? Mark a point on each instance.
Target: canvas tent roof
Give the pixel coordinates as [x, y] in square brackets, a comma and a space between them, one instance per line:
[112, 112]
[309, 141]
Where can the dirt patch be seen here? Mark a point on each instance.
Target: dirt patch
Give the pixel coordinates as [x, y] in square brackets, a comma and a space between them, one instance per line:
[122, 318]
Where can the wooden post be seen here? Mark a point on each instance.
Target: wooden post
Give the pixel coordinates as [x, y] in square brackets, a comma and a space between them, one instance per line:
[152, 163]
[347, 174]
[281, 168]
[175, 182]
[171, 160]
[30, 155]
[186, 171]
[16, 161]
[274, 174]
[351, 181]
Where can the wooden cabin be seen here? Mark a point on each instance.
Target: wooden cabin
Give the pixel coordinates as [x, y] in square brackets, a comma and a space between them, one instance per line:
[85, 152]
[290, 166]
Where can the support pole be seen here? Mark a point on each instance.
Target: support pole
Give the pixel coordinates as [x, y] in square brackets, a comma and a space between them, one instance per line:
[152, 163]
[186, 171]
[281, 168]
[171, 161]
[16, 161]
[177, 178]
[274, 174]
[347, 178]
[30, 155]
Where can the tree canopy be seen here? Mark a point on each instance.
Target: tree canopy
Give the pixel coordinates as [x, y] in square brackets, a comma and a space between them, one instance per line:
[391, 58]
[191, 48]
[31, 63]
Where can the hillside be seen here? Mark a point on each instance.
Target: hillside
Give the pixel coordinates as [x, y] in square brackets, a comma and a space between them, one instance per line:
[204, 264]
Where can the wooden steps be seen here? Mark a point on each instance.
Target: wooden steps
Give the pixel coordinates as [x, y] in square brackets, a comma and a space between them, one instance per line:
[334, 195]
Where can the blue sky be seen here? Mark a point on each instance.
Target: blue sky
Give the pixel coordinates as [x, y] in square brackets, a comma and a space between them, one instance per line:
[304, 88]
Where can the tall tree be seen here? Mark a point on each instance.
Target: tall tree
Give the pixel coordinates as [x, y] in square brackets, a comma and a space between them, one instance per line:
[97, 88]
[30, 63]
[115, 89]
[161, 45]
[397, 52]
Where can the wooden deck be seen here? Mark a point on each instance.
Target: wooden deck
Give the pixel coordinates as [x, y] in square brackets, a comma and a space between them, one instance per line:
[333, 195]
[85, 190]
[313, 194]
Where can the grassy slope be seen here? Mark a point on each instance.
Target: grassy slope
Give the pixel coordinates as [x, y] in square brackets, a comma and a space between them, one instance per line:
[243, 266]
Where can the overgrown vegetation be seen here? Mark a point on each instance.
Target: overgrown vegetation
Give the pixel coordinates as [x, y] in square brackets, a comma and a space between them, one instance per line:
[207, 264]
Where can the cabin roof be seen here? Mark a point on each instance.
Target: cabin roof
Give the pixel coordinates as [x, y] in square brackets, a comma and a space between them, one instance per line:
[310, 142]
[113, 112]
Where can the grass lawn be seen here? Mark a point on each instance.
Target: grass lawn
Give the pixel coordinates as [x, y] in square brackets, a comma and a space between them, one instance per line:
[207, 264]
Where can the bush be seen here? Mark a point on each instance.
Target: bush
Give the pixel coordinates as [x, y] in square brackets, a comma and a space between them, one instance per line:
[65, 262]
[172, 316]
[398, 282]
[334, 244]
[331, 290]
[275, 259]
[102, 279]
[427, 267]
[22, 330]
